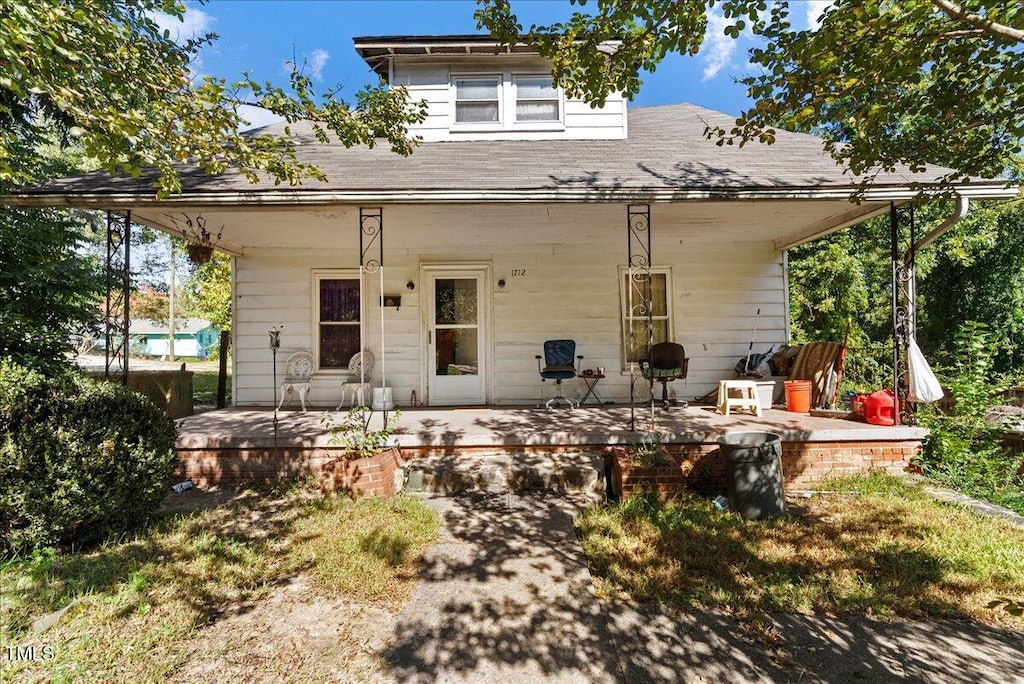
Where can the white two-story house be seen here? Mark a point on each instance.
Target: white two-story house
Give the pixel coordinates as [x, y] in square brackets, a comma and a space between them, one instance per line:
[511, 224]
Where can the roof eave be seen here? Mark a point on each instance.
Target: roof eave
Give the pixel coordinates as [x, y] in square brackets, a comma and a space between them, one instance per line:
[299, 198]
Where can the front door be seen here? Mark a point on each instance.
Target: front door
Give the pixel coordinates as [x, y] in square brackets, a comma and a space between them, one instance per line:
[456, 336]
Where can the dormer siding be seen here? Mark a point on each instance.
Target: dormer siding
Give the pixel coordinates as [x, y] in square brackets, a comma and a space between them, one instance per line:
[511, 84]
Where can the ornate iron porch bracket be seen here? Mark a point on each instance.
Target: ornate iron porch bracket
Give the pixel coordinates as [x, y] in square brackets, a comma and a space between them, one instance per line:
[118, 284]
[638, 302]
[371, 233]
[904, 300]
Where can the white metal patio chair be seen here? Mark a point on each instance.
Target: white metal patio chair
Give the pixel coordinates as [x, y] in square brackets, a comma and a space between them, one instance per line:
[356, 388]
[298, 370]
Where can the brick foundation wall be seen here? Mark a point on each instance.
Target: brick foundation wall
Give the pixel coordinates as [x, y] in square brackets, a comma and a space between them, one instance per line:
[330, 467]
[804, 464]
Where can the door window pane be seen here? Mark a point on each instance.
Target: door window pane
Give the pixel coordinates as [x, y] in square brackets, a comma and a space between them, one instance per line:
[457, 351]
[455, 301]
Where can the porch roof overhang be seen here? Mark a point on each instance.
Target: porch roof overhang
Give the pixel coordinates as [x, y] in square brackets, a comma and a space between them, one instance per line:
[785, 216]
[787, 193]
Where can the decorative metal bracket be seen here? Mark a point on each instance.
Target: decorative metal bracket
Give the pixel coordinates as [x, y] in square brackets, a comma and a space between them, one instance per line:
[118, 285]
[904, 301]
[638, 302]
[371, 232]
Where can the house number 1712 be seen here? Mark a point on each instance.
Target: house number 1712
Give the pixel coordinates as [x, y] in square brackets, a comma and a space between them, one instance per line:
[518, 272]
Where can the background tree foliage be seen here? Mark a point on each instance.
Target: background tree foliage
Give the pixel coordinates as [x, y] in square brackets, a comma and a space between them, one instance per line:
[885, 82]
[124, 91]
[49, 286]
[99, 78]
[208, 291]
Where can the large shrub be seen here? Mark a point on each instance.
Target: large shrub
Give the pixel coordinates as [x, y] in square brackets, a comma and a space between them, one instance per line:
[80, 459]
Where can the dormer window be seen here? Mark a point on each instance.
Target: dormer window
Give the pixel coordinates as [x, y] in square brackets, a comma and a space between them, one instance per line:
[536, 99]
[477, 100]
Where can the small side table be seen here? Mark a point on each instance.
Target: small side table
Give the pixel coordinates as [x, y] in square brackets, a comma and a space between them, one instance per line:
[591, 383]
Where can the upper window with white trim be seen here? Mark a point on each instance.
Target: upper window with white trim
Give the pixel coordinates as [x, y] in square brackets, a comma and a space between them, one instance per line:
[536, 99]
[477, 100]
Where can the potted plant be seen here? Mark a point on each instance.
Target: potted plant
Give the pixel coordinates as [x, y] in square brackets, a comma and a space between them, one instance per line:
[200, 240]
[199, 254]
[368, 462]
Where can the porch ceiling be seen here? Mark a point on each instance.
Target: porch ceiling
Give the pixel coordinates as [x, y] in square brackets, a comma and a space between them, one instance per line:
[780, 222]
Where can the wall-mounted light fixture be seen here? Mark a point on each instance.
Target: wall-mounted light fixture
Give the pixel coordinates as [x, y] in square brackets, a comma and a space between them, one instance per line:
[410, 285]
[501, 283]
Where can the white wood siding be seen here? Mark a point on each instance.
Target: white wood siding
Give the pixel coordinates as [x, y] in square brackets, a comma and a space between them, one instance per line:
[430, 79]
[571, 256]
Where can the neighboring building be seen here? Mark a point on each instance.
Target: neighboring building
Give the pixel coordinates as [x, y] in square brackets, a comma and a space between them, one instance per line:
[509, 226]
[193, 337]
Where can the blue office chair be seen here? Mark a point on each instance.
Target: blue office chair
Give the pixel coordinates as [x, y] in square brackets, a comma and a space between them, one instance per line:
[558, 366]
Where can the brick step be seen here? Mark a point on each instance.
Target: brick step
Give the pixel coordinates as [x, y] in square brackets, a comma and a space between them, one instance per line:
[580, 473]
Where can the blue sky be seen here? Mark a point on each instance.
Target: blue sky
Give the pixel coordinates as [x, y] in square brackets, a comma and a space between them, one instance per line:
[260, 36]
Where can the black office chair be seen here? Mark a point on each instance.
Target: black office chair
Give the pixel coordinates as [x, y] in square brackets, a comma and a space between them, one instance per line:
[558, 366]
[668, 362]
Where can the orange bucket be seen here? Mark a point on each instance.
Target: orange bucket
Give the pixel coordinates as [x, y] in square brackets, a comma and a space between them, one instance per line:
[798, 395]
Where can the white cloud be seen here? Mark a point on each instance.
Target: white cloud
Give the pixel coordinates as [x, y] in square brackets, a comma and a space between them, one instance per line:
[814, 10]
[317, 61]
[257, 117]
[193, 23]
[717, 48]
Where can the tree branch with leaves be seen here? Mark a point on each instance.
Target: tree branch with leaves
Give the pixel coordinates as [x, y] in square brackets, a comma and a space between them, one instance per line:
[108, 77]
[886, 83]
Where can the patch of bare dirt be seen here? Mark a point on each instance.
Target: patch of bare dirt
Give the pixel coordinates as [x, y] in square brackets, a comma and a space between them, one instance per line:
[293, 634]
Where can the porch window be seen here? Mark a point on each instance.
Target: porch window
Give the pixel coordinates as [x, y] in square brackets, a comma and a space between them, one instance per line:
[659, 289]
[338, 310]
[476, 100]
[536, 99]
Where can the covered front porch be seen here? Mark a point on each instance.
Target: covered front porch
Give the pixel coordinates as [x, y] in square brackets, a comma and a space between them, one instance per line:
[238, 445]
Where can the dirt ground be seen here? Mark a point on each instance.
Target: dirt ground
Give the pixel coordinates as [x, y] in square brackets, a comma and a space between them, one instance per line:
[294, 633]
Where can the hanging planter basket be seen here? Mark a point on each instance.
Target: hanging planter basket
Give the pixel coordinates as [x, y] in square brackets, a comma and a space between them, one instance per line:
[199, 254]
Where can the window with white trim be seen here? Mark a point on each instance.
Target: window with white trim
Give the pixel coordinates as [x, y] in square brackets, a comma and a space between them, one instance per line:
[477, 100]
[659, 290]
[338, 314]
[537, 99]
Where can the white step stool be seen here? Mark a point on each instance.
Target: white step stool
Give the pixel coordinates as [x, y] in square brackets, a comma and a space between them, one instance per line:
[746, 401]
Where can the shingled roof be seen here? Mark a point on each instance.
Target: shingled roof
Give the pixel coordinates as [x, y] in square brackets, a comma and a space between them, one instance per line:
[665, 155]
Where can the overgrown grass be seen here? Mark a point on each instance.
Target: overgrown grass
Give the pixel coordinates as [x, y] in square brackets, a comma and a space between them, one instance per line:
[204, 387]
[141, 599]
[875, 547]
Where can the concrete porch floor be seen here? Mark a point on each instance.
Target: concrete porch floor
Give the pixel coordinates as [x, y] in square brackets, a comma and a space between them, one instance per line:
[252, 427]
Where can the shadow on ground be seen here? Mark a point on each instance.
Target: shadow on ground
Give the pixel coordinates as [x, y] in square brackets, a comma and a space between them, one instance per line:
[506, 596]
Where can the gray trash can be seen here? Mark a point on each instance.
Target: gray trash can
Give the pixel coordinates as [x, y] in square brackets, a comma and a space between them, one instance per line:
[753, 473]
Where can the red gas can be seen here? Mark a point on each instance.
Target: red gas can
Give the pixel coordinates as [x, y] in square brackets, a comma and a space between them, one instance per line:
[880, 408]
